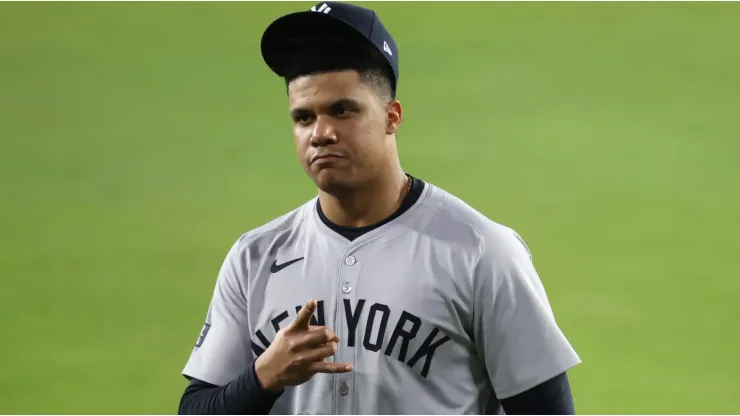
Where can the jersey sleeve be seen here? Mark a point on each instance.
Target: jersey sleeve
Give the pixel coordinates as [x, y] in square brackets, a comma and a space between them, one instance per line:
[514, 327]
[223, 349]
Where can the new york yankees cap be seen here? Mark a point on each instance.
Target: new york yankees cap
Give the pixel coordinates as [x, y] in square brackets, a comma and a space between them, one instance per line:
[328, 23]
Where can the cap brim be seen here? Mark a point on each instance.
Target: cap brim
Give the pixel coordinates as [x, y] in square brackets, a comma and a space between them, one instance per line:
[295, 33]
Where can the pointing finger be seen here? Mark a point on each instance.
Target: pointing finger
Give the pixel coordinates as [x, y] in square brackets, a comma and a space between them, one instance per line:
[303, 320]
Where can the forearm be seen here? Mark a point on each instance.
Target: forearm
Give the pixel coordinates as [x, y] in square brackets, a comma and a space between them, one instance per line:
[243, 396]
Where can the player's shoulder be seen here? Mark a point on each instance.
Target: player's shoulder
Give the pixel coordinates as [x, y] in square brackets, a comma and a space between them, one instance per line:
[281, 227]
[456, 216]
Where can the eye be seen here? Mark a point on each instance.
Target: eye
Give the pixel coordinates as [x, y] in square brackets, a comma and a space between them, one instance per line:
[341, 111]
[302, 118]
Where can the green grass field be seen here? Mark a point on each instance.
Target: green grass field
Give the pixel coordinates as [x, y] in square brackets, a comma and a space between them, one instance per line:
[139, 140]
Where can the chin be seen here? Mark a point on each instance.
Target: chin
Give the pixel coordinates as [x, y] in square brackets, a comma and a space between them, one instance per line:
[332, 181]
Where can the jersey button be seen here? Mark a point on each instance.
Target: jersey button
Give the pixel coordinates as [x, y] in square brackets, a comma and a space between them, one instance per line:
[346, 288]
[350, 261]
[344, 389]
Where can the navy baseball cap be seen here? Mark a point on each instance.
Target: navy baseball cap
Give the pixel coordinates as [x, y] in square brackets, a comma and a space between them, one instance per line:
[326, 24]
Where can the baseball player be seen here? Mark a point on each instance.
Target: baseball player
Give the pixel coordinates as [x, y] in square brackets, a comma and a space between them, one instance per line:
[384, 294]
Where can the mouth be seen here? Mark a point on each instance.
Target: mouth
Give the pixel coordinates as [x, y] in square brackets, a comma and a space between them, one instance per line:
[326, 157]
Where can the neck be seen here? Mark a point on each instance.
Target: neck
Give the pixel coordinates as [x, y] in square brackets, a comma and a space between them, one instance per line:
[368, 204]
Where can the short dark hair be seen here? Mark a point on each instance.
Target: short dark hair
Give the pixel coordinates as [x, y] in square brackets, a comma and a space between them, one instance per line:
[339, 55]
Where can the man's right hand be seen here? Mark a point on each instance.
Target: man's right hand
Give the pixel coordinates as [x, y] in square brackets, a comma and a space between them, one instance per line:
[298, 352]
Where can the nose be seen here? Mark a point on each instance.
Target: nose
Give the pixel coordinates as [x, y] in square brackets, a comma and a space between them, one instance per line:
[323, 133]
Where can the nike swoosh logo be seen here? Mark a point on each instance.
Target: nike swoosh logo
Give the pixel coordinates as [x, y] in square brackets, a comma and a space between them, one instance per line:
[277, 267]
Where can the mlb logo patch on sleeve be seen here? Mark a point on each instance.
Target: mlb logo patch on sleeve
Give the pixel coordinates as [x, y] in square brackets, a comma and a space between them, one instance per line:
[203, 333]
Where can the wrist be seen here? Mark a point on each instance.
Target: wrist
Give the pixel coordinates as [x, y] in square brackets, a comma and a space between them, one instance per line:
[263, 377]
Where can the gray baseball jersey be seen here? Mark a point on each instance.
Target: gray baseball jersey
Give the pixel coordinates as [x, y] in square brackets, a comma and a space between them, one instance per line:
[440, 311]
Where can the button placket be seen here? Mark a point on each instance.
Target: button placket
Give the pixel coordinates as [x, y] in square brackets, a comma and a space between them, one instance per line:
[350, 270]
[350, 273]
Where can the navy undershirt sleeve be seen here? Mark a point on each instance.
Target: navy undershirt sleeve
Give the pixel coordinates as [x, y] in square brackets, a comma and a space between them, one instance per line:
[243, 396]
[553, 397]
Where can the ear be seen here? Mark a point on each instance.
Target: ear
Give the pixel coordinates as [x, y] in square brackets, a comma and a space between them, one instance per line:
[394, 117]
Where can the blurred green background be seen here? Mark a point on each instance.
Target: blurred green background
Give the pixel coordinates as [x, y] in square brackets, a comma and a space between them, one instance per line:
[139, 140]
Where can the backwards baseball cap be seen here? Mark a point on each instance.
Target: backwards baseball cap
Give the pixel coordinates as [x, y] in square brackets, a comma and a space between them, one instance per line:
[326, 25]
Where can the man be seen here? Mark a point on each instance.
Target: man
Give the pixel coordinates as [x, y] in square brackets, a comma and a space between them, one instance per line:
[384, 294]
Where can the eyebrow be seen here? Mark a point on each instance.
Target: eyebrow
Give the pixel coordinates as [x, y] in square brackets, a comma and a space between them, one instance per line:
[343, 102]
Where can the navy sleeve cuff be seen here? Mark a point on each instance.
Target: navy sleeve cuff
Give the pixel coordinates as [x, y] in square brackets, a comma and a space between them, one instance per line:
[265, 395]
[243, 396]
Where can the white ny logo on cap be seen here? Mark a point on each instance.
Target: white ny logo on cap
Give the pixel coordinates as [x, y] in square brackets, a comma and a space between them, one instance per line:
[324, 8]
